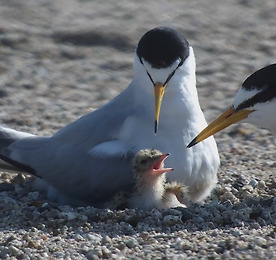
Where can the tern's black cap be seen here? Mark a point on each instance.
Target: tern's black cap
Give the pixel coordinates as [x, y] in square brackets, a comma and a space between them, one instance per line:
[265, 77]
[264, 80]
[162, 46]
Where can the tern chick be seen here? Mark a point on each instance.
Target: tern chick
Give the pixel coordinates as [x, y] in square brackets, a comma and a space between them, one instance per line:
[151, 189]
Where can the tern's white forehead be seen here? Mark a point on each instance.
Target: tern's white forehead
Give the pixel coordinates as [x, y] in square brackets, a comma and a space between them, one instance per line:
[160, 75]
[244, 95]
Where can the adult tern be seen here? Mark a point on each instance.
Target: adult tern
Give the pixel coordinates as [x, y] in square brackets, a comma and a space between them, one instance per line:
[254, 103]
[90, 159]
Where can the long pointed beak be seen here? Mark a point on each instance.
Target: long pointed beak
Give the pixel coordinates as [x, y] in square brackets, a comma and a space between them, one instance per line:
[159, 91]
[229, 117]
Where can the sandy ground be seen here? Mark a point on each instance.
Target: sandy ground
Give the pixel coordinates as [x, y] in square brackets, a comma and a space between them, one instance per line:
[61, 59]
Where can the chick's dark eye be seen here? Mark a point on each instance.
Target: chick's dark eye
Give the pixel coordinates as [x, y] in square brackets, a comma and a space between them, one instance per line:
[144, 161]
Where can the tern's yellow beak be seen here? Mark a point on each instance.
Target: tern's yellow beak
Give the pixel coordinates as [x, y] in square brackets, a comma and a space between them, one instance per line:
[159, 91]
[229, 117]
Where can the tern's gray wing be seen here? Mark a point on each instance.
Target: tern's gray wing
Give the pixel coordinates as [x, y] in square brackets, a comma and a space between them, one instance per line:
[74, 171]
[85, 160]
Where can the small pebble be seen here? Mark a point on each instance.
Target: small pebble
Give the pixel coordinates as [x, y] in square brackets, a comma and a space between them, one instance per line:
[131, 243]
[170, 220]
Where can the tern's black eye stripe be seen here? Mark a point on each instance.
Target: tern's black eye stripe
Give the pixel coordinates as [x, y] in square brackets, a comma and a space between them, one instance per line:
[169, 77]
[150, 78]
[264, 81]
[263, 96]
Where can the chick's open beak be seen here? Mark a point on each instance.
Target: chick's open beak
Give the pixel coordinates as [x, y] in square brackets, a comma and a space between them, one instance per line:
[158, 167]
[159, 90]
[229, 117]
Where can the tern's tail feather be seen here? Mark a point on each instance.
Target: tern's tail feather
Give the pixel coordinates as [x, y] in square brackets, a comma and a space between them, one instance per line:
[7, 138]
